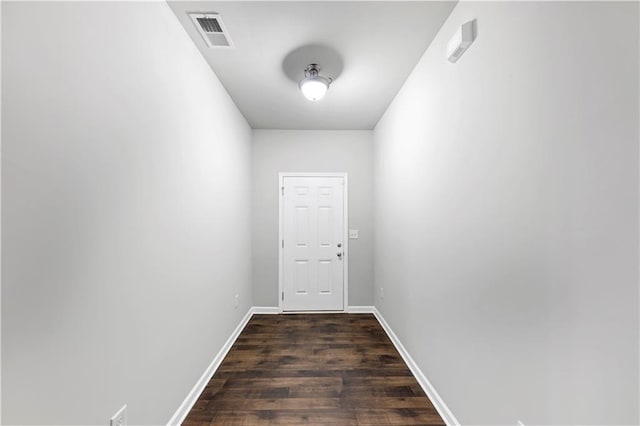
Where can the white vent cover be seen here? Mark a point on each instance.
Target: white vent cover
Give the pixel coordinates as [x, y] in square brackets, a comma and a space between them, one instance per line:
[211, 29]
[461, 40]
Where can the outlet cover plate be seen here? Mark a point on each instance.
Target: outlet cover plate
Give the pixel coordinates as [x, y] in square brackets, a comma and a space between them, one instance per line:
[119, 418]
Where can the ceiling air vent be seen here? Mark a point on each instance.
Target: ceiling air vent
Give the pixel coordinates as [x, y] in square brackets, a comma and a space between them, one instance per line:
[211, 29]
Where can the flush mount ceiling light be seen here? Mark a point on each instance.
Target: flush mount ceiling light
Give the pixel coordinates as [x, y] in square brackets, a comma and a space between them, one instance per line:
[314, 86]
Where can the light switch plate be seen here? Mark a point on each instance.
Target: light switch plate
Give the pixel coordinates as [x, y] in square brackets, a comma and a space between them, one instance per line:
[354, 234]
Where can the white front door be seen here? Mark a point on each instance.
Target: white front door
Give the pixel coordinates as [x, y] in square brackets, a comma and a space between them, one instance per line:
[313, 246]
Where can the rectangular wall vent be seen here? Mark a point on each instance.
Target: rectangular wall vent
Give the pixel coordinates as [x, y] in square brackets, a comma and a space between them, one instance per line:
[461, 40]
[212, 29]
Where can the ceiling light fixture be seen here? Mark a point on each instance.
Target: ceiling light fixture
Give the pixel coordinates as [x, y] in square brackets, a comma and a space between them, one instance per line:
[313, 86]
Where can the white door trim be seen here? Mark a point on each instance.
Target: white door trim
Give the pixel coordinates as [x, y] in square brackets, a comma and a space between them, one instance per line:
[345, 232]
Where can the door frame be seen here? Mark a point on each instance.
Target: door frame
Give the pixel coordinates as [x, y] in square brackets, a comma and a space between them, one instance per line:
[345, 235]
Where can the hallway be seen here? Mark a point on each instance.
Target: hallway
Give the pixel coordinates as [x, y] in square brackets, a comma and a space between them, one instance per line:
[489, 157]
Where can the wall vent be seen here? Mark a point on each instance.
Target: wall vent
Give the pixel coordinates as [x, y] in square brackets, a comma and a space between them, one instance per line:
[461, 40]
[212, 29]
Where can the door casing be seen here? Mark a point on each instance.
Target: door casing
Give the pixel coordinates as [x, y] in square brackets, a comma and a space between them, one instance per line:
[345, 235]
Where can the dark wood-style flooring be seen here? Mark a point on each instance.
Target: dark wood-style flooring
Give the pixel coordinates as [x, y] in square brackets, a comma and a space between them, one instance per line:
[313, 369]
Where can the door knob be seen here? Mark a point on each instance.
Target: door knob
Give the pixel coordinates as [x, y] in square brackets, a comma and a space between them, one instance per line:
[340, 255]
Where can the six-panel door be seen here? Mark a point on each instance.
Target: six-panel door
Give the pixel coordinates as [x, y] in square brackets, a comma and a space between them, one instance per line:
[313, 253]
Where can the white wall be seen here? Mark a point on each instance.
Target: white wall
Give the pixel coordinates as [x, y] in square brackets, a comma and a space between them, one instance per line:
[0, 215]
[277, 151]
[125, 212]
[506, 214]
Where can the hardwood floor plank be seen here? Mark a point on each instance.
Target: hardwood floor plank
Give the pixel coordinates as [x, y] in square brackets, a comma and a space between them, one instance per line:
[293, 417]
[405, 417]
[313, 369]
[276, 404]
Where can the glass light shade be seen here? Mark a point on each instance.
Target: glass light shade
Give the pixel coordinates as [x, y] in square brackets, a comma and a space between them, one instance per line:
[314, 88]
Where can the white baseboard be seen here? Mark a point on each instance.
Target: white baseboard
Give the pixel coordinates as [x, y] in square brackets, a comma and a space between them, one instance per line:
[182, 411]
[276, 310]
[265, 310]
[437, 401]
[360, 309]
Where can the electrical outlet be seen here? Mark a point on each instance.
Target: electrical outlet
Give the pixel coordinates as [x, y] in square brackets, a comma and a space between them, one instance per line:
[119, 418]
[381, 293]
[236, 301]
